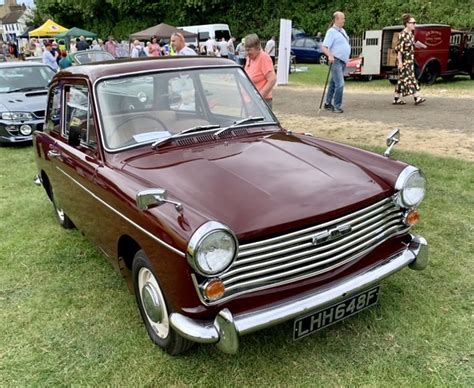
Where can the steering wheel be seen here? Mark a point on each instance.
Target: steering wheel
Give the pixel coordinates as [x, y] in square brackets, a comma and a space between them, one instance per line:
[116, 132]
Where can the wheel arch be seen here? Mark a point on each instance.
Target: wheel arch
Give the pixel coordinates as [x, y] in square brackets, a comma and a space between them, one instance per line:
[127, 247]
[46, 184]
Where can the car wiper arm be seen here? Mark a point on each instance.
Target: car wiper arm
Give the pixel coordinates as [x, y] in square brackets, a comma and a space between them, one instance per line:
[199, 128]
[184, 132]
[27, 89]
[237, 123]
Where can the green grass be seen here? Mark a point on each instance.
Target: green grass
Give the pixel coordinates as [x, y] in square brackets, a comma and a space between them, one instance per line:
[317, 74]
[67, 317]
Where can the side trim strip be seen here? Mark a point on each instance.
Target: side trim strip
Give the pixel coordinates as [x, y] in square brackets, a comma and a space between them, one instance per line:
[124, 217]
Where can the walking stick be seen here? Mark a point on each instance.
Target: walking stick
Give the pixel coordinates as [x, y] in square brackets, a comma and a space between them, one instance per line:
[324, 91]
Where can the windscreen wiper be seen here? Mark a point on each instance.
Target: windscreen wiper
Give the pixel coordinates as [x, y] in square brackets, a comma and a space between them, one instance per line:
[27, 89]
[240, 122]
[184, 132]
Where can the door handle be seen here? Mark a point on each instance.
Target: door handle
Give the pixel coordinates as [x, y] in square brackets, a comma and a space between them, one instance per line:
[54, 153]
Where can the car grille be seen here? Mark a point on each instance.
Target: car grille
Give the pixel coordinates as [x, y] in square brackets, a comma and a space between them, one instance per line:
[293, 256]
[39, 114]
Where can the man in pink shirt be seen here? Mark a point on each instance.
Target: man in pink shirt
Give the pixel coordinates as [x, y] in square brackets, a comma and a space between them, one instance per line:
[259, 67]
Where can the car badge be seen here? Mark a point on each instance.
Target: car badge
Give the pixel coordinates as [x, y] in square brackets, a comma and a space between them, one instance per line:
[331, 234]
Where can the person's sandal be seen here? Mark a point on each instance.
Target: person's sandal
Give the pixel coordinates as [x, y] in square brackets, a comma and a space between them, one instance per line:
[398, 101]
[419, 100]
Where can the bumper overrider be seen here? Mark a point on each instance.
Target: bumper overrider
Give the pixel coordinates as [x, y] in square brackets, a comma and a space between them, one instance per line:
[226, 328]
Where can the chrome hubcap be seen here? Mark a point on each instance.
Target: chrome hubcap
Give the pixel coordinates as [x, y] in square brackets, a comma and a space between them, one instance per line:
[153, 302]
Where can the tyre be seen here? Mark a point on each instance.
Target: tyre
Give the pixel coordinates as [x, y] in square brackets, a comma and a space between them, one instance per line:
[367, 78]
[153, 308]
[393, 81]
[430, 73]
[323, 60]
[472, 76]
[62, 217]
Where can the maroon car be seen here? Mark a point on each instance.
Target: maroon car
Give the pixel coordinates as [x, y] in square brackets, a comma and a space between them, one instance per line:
[222, 221]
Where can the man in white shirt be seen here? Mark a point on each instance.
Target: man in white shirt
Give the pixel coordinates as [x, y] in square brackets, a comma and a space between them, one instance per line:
[224, 48]
[270, 49]
[137, 50]
[179, 45]
[210, 46]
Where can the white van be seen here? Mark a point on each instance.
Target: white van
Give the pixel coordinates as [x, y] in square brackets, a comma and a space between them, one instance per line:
[204, 31]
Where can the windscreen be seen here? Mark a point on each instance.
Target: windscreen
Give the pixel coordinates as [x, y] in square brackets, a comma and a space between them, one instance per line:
[143, 108]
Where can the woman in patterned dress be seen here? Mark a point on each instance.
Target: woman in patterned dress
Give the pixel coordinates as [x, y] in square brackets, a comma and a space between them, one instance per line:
[407, 83]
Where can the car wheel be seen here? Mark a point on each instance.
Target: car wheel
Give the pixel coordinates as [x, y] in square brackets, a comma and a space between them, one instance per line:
[323, 60]
[430, 73]
[393, 81]
[153, 309]
[62, 217]
[368, 77]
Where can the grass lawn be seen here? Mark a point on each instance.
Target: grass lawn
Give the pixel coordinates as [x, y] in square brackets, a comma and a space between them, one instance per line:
[67, 317]
[317, 74]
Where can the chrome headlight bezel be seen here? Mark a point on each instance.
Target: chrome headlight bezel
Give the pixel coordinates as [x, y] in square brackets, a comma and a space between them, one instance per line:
[196, 242]
[17, 116]
[409, 179]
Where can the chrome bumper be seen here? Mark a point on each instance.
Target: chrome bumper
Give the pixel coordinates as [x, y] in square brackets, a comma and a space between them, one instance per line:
[226, 329]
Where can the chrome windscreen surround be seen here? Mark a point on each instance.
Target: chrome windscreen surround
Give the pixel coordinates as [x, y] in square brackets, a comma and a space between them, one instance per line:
[311, 251]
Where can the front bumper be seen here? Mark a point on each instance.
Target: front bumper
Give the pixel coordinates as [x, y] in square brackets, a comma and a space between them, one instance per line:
[226, 328]
[10, 130]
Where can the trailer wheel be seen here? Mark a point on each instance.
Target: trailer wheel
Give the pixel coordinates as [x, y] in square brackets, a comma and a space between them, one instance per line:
[430, 73]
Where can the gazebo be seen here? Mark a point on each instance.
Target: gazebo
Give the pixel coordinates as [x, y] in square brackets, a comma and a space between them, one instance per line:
[161, 31]
[75, 32]
[48, 30]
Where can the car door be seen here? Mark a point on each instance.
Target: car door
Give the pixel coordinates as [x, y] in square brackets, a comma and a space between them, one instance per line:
[298, 49]
[76, 158]
[311, 51]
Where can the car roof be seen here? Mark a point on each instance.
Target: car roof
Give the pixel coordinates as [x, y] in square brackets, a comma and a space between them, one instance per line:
[400, 27]
[96, 70]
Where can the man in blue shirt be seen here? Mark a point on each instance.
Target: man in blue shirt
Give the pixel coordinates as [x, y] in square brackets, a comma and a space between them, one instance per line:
[48, 58]
[337, 48]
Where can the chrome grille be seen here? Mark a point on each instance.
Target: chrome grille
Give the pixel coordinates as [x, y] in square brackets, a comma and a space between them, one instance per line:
[293, 256]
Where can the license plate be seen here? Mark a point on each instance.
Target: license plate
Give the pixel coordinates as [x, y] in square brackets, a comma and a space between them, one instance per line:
[393, 76]
[319, 320]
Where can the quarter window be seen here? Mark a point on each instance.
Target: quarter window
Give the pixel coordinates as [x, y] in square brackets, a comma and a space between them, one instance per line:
[54, 110]
[79, 114]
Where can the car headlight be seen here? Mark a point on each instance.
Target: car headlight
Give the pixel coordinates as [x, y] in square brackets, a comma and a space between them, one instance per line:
[411, 187]
[212, 248]
[16, 116]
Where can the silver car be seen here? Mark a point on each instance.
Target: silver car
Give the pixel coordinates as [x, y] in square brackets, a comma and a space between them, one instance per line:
[23, 93]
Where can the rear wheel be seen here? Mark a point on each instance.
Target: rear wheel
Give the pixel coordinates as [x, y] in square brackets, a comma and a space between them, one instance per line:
[323, 60]
[430, 73]
[153, 309]
[62, 217]
[393, 81]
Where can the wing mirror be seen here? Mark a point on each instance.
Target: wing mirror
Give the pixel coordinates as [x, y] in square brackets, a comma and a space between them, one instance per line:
[74, 137]
[392, 139]
[154, 197]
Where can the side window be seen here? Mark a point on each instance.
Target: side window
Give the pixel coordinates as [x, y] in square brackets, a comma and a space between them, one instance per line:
[299, 43]
[78, 114]
[182, 93]
[53, 113]
[310, 43]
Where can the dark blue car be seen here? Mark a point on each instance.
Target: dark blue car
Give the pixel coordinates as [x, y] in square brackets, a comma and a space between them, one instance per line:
[308, 50]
